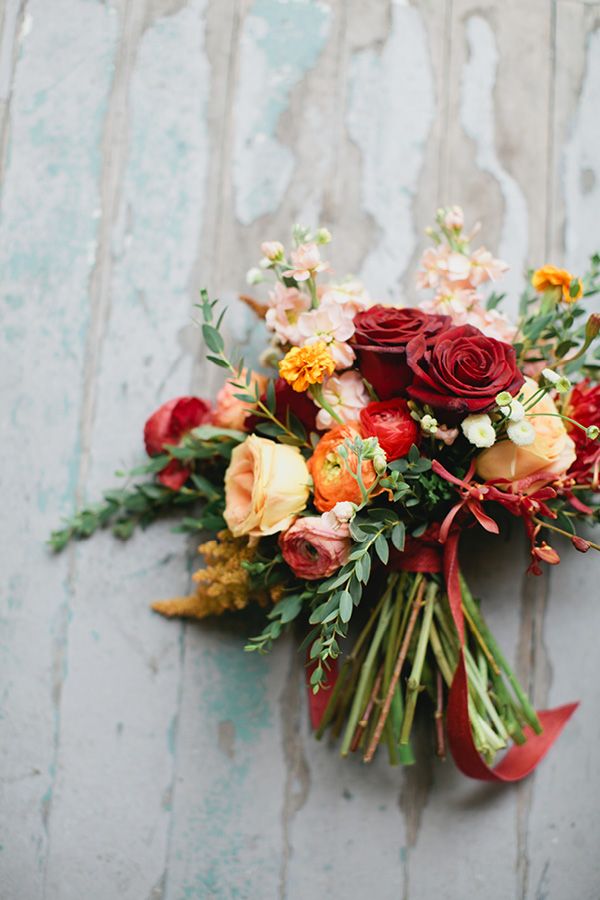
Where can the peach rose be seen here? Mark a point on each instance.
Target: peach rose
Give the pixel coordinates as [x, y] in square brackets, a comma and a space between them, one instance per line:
[266, 486]
[230, 412]
[332, 480]
[549, 456]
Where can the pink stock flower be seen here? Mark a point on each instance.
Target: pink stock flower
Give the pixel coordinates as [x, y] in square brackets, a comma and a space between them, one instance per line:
[464, 308]
[332, 325]
[449, 270]
[312, 549]
[454, 218]
[346, 394]
[230, 412]
[351, 296]
[272, 250]
[306, 262]
[285, 307]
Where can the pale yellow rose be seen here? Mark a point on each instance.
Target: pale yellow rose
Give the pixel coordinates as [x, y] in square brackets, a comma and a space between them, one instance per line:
[551, 453]
[266, 486]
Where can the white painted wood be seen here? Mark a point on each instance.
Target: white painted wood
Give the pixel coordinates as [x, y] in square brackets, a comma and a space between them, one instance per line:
[146, 147]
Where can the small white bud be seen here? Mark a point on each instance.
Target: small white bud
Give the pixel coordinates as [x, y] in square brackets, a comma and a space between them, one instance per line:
[516, 411]
[429, 425]
[322, 236]
[254, 276]
[379, 461]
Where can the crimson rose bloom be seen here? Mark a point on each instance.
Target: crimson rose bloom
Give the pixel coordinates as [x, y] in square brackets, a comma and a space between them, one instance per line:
[380, 339]
[391, 423]
[288, 400]
[584, 407]
[463, 371]
[168, 425]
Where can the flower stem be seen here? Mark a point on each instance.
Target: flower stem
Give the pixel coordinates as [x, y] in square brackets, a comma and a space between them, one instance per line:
[561, 531]
[414, 681]
[528, 710]
[396, 673]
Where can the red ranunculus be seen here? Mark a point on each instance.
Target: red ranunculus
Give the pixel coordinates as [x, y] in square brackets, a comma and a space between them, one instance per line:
[380, 339]
[584, 407]
[462, 372]
[168, 425]
[391, 423]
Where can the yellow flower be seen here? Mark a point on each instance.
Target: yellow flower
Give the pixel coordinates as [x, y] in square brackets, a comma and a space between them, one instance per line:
[551, 452]
[223, 584]
[266, 487]
[303, 366]
[549, 277]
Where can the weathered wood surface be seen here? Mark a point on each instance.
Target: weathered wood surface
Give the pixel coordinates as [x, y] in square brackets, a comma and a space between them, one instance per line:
[145, 149]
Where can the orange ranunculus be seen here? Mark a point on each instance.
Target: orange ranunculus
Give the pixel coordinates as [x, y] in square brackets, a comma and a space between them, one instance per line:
[549, 277]
[551, 453]
[266, 487]
[303, 366]
[332, 480]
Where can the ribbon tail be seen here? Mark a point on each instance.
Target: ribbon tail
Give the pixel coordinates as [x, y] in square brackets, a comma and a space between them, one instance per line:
[521, 759]
[317, 703]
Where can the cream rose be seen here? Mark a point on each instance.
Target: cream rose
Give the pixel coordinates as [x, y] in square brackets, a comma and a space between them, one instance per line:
[551, 452]
[266, 486]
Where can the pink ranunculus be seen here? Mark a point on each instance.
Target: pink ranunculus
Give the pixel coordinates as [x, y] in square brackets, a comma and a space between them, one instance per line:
[230, 412]
[312, 549]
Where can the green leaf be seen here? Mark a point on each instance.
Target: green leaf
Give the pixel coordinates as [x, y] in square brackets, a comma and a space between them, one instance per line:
[289, 607]
[270, 400]
[346, 606]
[398, 536]
[382, 550]
[212, 338]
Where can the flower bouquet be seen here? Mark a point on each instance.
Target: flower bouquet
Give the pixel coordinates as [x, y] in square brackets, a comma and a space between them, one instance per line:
[337, 482]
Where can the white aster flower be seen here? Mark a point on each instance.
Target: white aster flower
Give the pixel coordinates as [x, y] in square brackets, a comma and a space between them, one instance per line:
[521, 433]
[478, 430]
[517, 411]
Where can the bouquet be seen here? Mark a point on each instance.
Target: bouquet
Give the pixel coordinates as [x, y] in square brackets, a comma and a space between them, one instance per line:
[336, 481]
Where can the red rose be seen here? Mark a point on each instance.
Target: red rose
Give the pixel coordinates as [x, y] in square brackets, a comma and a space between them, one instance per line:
[168, 425]
[584, 407]
[380, 339]
[463, 371]
[288, 400]
[391, 423]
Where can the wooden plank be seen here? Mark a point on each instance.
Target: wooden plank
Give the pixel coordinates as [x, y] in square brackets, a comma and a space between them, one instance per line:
[116, 763]
[54, 105]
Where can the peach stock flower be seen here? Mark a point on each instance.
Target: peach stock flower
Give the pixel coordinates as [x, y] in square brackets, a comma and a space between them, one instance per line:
[346, 394]
[286, 305]
[549, 456]
[549, 277]
[306, 262]
[266, 486]
[303, 366]
[333, 325]
[230, 412]
[332, 480]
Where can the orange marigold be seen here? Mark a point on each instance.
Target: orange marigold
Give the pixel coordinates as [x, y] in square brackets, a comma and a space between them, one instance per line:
[303, 366]
[549, 277]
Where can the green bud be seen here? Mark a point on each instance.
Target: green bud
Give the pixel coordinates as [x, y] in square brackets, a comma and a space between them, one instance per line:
[592, 432]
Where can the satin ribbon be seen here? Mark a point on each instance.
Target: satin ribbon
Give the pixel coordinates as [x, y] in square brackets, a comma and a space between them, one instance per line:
[521, 759]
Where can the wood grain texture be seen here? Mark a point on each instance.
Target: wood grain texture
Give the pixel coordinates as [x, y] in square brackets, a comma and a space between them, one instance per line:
[146, 147]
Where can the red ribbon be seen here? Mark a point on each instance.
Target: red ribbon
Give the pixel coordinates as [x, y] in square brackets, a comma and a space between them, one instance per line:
[317, 703]
[521, 759]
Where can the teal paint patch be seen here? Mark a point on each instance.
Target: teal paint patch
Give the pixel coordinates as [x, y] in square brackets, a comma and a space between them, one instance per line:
[238, 689]
[281, 42]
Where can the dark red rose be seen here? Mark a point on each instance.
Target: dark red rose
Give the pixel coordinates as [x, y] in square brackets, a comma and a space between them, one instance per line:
[168, 425]
[287, 399]
[462, 372]
[380, 339]
[391, 423]
[584, 407]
